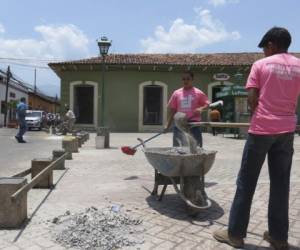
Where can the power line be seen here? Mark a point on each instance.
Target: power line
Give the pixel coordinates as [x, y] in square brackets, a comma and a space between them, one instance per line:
[22, 82]
[26, 84]
[19, 79]
[29, 62]
[27, 65]
[31, 59]
[22, 63]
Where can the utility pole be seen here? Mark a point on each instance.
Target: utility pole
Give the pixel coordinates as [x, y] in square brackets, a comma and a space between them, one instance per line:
[34, 89]
[35, 81]
[8, 75]
[55, 103]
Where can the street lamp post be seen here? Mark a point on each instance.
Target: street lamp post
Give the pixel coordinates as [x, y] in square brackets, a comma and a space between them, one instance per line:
[103, 45]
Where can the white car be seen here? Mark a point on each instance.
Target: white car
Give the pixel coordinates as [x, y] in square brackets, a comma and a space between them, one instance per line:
[35, 119]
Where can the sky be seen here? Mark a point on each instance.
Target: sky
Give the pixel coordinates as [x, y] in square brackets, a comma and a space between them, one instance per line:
[34, 32]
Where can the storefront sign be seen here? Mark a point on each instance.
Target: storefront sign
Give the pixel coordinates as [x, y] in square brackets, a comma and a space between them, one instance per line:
[221, 77]
[232, 91]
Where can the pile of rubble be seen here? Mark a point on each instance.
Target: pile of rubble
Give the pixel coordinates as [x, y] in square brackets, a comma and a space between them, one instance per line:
[98, 229]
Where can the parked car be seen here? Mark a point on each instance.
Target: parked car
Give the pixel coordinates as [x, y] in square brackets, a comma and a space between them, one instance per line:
[35, 119]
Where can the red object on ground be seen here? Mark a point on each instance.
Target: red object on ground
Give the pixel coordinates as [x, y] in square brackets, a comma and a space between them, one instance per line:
[128, 150]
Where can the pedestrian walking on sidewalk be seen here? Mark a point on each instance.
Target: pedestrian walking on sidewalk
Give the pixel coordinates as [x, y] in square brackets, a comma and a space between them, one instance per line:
[274, 88]
[21, 114]
[69, 120]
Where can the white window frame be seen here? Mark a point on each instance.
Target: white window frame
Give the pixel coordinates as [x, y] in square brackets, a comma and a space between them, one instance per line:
[151, 128]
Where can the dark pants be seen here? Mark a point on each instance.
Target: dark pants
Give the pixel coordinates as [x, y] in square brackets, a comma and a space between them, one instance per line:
[214, 129]
[279, 149]
[195, 131]
[22, 128]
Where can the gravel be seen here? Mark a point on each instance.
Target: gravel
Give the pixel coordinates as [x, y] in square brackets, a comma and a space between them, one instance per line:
[105, 229]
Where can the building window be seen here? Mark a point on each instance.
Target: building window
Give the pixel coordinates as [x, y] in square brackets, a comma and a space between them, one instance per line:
[153, 105]
[84, 104]
[12, 94]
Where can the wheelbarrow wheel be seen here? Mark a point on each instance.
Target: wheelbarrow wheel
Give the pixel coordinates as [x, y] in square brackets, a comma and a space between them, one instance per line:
[195, 198]
[191, 212]
[193, 190]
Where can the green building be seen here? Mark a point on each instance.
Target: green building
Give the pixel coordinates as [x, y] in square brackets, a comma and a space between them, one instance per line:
[138, 86]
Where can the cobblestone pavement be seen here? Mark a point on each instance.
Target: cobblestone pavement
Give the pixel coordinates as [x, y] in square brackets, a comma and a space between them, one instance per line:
[17, 156]
[104, 177]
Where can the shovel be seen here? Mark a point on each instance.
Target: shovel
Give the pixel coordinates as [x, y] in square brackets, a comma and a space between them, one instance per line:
[131, 150]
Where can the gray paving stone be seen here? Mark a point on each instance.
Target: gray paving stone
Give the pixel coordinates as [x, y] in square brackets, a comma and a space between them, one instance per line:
[101, 178]
[12, 247]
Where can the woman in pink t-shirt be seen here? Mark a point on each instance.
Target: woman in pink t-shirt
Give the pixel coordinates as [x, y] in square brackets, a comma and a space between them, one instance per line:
[188, 100]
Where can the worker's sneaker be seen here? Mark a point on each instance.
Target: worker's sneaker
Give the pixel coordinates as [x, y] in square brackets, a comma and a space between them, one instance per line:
[276, 244]
[224, 237]
[21, 140]
[17, 138]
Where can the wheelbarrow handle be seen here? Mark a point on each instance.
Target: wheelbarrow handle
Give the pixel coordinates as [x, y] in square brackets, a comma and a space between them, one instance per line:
[149, 139]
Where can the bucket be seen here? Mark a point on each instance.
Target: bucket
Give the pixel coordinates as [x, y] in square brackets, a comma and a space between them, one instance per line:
[100, 142]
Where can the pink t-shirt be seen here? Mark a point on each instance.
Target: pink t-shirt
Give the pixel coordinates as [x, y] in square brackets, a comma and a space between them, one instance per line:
[278, 80]
[187, 100]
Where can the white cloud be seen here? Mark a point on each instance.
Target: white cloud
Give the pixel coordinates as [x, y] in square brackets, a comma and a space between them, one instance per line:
[217, 3]
[183, 37]
[2, 29]
[54, 42]
[64, 41]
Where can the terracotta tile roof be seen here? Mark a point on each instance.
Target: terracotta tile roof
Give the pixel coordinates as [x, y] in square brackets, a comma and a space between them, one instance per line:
[221, 59]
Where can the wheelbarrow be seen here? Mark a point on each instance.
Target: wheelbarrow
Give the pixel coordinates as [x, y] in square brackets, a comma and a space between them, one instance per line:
[174, 165]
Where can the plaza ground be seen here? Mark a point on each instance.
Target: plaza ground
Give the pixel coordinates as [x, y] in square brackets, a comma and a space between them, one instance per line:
[101, 178]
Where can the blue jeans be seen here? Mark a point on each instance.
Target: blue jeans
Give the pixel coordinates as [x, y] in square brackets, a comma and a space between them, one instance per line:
[279, 149]
[22, 128]
[195, 131]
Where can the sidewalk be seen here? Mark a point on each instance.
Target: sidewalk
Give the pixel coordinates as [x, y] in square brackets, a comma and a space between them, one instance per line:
[104, 177]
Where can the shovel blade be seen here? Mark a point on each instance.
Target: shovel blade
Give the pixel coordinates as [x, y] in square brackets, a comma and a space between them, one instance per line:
[128, 150]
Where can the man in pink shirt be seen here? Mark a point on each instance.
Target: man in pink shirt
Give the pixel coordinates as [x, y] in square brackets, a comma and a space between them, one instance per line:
[274, 88]
[188, 100]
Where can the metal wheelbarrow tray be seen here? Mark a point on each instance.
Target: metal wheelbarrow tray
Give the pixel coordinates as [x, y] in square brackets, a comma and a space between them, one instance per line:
[172, 164]
[190, 169]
